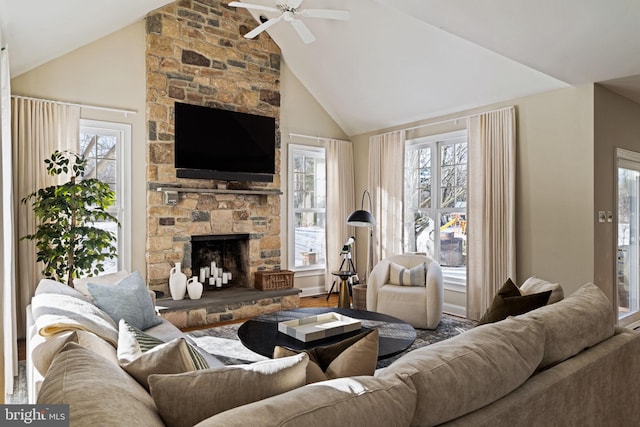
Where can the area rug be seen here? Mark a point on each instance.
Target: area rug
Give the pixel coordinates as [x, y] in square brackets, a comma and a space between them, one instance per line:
[222, 341]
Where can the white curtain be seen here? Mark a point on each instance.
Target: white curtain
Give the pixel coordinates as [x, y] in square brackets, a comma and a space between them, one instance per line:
[340, 202]
[7, 288]
[491, 185]
[39, 128]
[386, 173]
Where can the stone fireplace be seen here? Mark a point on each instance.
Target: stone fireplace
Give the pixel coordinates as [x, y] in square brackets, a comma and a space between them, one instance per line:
[196, 54]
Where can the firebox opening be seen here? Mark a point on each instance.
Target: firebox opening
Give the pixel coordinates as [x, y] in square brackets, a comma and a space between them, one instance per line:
[230, 252]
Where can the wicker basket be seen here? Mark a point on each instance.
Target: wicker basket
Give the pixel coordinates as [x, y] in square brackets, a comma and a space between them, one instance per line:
[272, 280]
[359, 297]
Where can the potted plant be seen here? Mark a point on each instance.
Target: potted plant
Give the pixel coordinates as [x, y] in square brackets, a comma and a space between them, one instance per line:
[67, 240]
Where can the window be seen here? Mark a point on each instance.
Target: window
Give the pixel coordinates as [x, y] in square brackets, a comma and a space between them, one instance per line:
[106, 146]
[435, 201]
[307, 205]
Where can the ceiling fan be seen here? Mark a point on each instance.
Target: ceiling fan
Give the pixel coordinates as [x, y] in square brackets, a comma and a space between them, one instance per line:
[289, 12]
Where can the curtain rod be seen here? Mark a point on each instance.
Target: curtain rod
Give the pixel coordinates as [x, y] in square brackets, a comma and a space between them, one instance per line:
[454, 119]
[317, 138]
[91, 107]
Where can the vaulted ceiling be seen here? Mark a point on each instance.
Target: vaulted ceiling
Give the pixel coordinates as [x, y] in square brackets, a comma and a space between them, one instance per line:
[393, 61]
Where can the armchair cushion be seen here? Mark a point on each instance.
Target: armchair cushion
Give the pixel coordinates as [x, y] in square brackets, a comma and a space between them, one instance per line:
[402, 276]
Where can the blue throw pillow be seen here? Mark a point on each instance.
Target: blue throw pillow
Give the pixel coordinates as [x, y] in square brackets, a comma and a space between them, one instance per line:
[128, 300]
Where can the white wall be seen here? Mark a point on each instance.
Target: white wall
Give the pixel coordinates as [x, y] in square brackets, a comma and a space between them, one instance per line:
[300, 113]
[109, 72]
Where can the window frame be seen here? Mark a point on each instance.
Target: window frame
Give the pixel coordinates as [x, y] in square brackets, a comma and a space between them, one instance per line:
[122, 208]
[434, 143]
[292, 151]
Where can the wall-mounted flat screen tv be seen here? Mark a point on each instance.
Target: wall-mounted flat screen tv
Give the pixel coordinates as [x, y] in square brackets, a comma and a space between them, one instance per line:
[212, 143]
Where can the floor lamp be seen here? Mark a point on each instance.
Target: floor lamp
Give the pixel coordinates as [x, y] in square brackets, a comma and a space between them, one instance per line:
[363, 218]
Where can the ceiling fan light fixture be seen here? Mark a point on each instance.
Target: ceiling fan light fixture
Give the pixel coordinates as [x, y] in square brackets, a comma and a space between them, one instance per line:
[289, 12]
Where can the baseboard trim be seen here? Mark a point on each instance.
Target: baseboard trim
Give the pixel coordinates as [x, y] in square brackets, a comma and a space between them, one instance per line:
[455, 310]
[312, 291]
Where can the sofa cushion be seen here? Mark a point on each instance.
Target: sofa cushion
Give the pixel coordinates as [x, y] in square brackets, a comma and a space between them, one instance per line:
[401, 276]
[509, 302]
[188, 398]
[581, 320]
[48, 286]
[141, 354]
[354, 402]
[471, 370]
[353, 356]
[80, 284]
[44, 349]
[128, 300]
[534, 285]
[97, 391]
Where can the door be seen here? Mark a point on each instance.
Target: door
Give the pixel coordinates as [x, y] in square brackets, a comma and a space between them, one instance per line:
[628, 241]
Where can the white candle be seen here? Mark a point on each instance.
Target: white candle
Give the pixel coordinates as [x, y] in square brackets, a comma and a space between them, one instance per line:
[213, 266]
[214, 271]
[229, 276]
[202, 275]
[219, 282]
[207, 272]
[212, 281]
[225, 278]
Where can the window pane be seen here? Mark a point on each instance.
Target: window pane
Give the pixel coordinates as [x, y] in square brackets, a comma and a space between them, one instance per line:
[448, 155]
[106, 147]
[453, 239]
[309, 238]
[107, 170]
[419, 233]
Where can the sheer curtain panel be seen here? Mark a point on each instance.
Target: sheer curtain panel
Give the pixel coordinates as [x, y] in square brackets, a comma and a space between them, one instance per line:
[491, 185]
[386, 163]
[39, 128]
[9, 355]
[340, 201]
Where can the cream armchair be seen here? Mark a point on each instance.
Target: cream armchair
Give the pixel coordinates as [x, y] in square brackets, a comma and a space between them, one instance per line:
[420, 306]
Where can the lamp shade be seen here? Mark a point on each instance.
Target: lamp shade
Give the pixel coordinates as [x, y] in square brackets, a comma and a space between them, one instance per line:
[361, 218]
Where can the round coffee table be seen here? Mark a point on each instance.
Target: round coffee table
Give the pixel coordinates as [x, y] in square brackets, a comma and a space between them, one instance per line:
[261, 334]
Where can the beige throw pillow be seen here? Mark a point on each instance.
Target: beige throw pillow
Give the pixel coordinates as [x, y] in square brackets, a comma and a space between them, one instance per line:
[402, 276]
[534, 285]
[184, 400]
[141, 354]
[351, 357]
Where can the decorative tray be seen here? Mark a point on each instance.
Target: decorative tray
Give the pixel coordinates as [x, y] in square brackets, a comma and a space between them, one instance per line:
[317, 327]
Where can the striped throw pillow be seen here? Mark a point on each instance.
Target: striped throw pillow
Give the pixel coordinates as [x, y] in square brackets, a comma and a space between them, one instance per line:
[141, 354]
[402, 276]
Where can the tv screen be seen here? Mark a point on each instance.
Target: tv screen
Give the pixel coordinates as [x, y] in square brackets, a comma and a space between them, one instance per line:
[211, 143]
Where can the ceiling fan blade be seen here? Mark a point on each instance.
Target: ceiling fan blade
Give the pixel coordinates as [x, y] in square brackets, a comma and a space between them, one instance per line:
[260, 28]
[294, 4]
[254, 6]
[342, 15]
[303, 31]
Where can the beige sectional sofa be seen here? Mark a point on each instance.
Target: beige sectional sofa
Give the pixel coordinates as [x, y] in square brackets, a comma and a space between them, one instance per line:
[564, 364]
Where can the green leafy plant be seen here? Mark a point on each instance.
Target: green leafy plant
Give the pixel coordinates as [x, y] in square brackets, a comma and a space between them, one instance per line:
[67, 241]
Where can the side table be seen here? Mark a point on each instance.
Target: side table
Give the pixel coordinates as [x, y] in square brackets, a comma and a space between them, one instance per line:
[359, 297]
[343, 296]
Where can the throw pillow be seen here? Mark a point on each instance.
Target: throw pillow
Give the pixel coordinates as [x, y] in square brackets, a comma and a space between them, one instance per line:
[188, 398]
[535, 285]
[48, 286]
[128, 300]
[402, 276]
[509, 302]
[80, 284]
[141, 354]
[354, 356]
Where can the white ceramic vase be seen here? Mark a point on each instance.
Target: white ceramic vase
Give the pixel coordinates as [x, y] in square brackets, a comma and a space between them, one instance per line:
[194, 288]
[177, 282]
